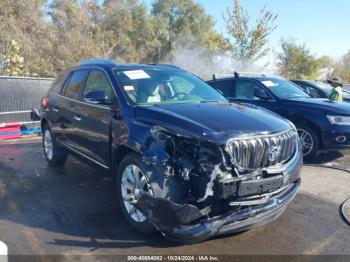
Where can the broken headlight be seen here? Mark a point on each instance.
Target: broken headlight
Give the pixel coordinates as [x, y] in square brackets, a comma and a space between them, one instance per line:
[199, 164]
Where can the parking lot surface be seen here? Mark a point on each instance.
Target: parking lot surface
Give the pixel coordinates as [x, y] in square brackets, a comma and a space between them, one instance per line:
[72, 210]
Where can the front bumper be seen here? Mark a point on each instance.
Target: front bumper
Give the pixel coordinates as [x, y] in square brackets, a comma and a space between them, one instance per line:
[234, 221]
[185, 223]
[331, 136]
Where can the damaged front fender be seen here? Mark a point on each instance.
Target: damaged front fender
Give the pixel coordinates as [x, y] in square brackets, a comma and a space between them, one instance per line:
[190, 222]
[190, 161]
[199, 193]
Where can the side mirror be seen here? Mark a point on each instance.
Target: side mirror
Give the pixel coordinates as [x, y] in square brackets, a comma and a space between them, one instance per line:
[261, 94]
[97, 97]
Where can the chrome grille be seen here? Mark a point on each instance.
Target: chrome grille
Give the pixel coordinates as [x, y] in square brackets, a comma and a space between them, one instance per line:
[256, 152]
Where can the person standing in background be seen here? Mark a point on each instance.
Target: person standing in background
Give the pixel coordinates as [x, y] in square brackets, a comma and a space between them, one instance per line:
[336, 94]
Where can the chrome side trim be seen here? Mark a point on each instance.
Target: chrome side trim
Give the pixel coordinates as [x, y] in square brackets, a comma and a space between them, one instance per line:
[85, 156]
[80, 102]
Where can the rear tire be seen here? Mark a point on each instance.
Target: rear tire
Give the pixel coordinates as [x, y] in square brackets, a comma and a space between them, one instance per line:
[131, 181]
[309, 140]
[55, 155]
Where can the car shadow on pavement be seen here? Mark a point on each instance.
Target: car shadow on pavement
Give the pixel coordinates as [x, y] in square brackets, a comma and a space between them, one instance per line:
[331, 159]
[74, 207]
[324, 158]
[77, 200]
[92, 244]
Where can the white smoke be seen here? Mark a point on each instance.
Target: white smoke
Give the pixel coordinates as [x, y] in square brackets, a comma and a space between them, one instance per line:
[205, 62]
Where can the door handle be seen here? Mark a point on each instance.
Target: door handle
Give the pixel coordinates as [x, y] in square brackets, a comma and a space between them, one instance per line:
[77, 118]
[55, 109]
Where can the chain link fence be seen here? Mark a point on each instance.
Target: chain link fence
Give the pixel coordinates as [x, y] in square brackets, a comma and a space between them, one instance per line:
[19, 95]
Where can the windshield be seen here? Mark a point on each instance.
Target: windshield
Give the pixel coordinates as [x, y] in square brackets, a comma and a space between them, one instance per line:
[161, 86]
[284, 89]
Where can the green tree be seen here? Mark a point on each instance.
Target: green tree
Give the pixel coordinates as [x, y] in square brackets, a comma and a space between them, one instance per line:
[296, 61]
[326, 64]
[14, 62]
[342, 68]
[326, 61]
[179, 20]
[74, 35]
[55, 34]
[248, 44]
[24, 21]
[130, 31]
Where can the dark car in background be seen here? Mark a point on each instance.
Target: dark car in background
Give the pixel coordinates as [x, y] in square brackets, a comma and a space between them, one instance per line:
[320, 123]
[186, 161]
[318, 89]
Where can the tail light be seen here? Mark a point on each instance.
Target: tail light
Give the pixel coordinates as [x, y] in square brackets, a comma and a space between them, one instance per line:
[44, 102]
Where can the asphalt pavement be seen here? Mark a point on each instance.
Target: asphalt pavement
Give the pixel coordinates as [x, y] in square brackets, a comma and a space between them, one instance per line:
[73, 210]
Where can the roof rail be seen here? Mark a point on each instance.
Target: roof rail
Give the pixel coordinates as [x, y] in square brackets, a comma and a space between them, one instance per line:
[221, 76]
[237, 75]
[167, 65]
[97, 61]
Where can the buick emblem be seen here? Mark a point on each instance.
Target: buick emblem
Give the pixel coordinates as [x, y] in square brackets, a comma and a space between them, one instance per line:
[274, 152]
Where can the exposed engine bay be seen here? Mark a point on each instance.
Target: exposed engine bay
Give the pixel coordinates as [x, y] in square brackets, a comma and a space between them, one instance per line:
[197, 180]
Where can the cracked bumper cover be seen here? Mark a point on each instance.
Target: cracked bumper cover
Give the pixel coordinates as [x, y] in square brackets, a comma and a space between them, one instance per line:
[234, 221]
[185, 223]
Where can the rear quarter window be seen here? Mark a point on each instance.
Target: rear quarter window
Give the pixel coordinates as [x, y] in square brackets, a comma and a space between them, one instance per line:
[74, 86]
[57, 85]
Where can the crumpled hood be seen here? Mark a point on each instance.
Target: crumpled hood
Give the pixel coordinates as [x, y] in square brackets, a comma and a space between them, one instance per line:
[216, 122]
[342, 108]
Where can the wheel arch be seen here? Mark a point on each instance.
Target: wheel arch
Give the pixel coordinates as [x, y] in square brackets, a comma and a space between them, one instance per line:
[117, 156]
[44, 122]
[312, 125]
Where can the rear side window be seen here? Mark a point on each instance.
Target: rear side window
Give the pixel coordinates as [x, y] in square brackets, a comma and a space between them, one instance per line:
[311, 91]
[59, 82]
[74, 84]
[225, 87]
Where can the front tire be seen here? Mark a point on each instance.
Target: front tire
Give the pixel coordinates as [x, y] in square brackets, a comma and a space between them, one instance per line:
[309, 141]
[132, 181]
[55, 155]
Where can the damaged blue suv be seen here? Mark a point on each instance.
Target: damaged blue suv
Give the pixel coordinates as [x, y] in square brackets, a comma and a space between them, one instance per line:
[186, 161]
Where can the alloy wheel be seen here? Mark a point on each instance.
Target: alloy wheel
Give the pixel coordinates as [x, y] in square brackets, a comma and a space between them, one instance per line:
[48, 146]
[306, 141]
[134, 183]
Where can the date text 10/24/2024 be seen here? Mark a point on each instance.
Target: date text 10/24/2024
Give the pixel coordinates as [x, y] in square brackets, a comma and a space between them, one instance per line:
[173, 258]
